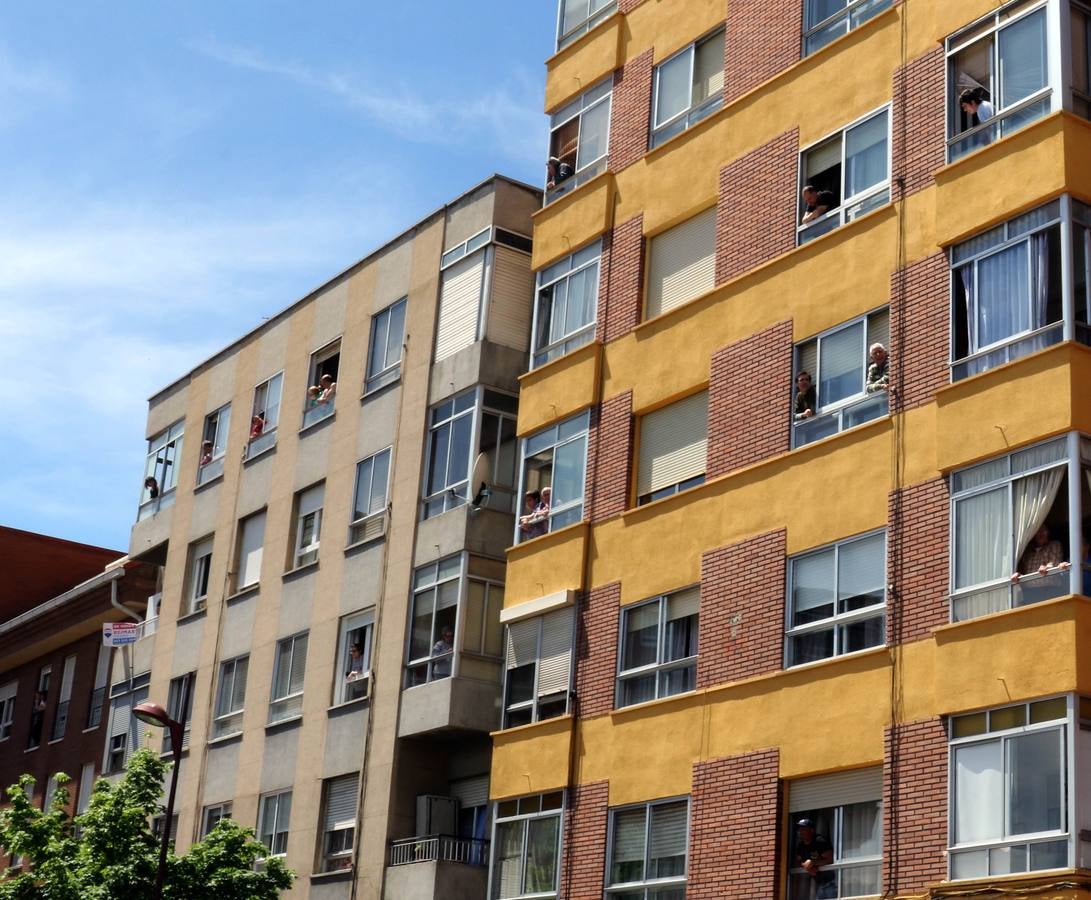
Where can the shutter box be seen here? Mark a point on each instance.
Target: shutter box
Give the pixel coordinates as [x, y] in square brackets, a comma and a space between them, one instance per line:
[838, 789]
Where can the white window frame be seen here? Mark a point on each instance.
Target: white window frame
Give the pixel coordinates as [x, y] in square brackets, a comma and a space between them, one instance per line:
[584, 170]
[851, 208]
[852, 15]
[428, 579]
[563, 434]
[463, 249]
[162, 463]
[275, 823]
[305, 554]
[606, 8]
[339, 841]
[646, 886]
[200, 569]
[286, 700]
[691, 115]
[537, 701]
[838, 620]
[376, 378]
[522, 812]
[263, 394]
[314, 411]
[1068, 727]
[227, 719]
[549, 279]
[240, 560]
[64, 699]
[360, 685]
[175, 690]
[372, 524]
[661, 666]
[212, 815]
[216, 428]
[8, 694]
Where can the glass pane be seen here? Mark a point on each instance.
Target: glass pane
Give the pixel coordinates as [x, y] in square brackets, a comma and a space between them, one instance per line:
[639, 647]
[862, 635]
[971, 864]
[594, 130]
[627, 857]
[841, 365]
[558, 307]
[1006, 860]
[377, 350]
[680, 638]
[667, 840]
[979, 792]
[420, 642]
[810, 647]
[1008, 717]
[861, 575]
[866, 155]
[861, 830]
[820, 10]
[637, 690]
[509, 858]
[582, 293]
[673, 86]
[982, 538]
[520, 684]
[1049, 710]
[377, 502]
[437, 459]
[708, 68]
[395, 333]
[812, 588]
[1022, 49]
[965, 726]
[1050, 855]
[1036, 782]
[1001, 307]
[568, 462]
[541, 854]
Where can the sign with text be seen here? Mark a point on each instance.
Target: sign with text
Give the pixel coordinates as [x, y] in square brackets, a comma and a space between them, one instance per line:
[119, 634]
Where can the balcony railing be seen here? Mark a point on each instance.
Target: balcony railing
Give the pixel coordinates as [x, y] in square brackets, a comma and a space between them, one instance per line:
[871, 406]
[439, 848]
[981, 601]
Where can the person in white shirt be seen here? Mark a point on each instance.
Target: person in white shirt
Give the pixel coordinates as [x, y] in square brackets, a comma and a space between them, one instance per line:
[974, 104]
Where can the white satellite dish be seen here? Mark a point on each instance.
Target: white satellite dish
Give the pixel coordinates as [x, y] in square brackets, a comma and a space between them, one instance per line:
[479, 482]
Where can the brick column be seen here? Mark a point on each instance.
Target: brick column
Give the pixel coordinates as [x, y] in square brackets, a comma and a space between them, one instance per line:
[742, 610]
[621, 280]
[920, 346]
[734, 828]
[756, 210]
[918, 560]
[914, 806]
[630, 109]
[609, 457]
[583, 844]
[763, 38]
[919, 124]
[596, 650]
[750, 400]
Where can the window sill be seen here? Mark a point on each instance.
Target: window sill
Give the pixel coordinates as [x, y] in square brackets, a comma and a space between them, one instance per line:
[169, 754]
[193, 616]
[335, 875]
[347, 706]
[283, 724]
[551, 725]
[250, 458]
[32, 749]
[381, 389]
[243, 592]
[552, 537]
[50, 743]
[655, 504]
[86, 730]
[207, 484]
[359, 545]
[313, 426]
[224, 739]
[299, 570]
[856, 654]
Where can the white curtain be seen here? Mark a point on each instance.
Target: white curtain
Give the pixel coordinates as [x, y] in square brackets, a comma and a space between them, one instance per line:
[1041, 281]
[1000, 304]
[861, 830]
[979, 792]
[1033, 498]
[982, 552]
[866, 155]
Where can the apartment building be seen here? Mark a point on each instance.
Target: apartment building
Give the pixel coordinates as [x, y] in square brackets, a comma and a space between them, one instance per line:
[808, 385]
[330, 498]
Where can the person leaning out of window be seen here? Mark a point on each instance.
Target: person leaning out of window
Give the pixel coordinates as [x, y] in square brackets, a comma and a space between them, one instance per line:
[805, 397]
[878, 370]
[974, 103]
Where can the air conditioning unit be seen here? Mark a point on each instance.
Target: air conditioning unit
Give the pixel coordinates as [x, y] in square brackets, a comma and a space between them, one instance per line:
[436, 815]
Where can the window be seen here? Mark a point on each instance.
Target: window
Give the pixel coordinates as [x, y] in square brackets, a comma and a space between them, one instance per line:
[579, 135]
[433, 620]
[1008, 770]
[212, 815]
[688, 87]
[384, 353]
[566, 304]
[837, 599]
[8, 693]
[827, 20]
[577, 17]
[308, 525]
[161, 470]
[265, 416]
[214, 444]
[38, 708]
[647, 844]
[1001, 65]
[538, 662]
[339, 798]
[470, 436]
[462, 285]
[87, 782]
[175, 693]
[837, 363]
[844, 835]
[681, 263]
[286, 699]
[157, 829]
[553, 459]
[274, 818]
[1010, 520]
[370, 498]
[1080, 30]
[230, 697]
[1006, 286]
[64, 699]
[322, 393]
[658, 653]
[251, 538]
[850, 172]
[200, 565]
[468, 246]
[98, 691]
[526, 846]
[354, 657]
[673, 447]
[126, 731]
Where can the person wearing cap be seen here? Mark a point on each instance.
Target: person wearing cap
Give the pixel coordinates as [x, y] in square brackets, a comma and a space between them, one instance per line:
[812, 852]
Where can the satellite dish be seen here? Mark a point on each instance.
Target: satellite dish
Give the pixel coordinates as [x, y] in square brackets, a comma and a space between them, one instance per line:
[479, 482]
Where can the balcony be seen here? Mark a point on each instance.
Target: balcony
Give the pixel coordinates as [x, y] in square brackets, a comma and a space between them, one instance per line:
[437, 866]
[451, 704]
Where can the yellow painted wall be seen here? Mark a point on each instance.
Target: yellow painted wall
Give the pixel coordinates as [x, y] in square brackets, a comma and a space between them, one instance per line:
[571, 388]
[551, 563]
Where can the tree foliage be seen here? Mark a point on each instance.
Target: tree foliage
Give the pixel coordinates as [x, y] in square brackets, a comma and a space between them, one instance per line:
[110, 852]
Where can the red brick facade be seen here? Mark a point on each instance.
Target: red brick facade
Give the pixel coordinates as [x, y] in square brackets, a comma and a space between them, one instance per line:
[750, 400]
[583, 844]
[609, 457]
[596, 650]
[920, 317]
[742, 609]
[734, 828]
[914, 806]
[621, 280]
[763, 39]
[630, 110]
[918, 560]
[627, 6]
[919, 130]
[756, 210]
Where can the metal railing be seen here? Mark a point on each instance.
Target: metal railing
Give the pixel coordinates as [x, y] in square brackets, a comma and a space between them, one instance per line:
[439, 848]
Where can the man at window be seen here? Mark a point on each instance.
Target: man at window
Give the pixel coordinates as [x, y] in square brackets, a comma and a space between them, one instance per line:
[805, 397]
[878, 372]
[812, 852]
[441, 653]
[1042, 555]
[976, 107]
[356, 663]
[556, 172]
[206, 453]
[322, 392]
[532, 523]
[818, 203]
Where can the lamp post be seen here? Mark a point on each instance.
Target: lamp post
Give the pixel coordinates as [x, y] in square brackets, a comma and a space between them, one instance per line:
[154, 714]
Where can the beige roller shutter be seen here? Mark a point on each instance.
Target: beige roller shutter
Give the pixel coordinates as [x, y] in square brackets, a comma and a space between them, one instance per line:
[682, 263]
[521, 641]
[878, 329]
[459, 305]
[839, 789]
[673, 444]
[555, 661]
[511, 296]
[807, 360]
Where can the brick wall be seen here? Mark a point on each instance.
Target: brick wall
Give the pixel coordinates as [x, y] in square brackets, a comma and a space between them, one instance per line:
[629, 112]
[919, 127]
[734, 828]
[918, 559]
[920, 346]
[742, 609]
[763, 39]
[583, 845]
[609, 457]
[750, 400]
[621, 280]
[914, 806]
[627, 6]
[596, 650]
[756, 210]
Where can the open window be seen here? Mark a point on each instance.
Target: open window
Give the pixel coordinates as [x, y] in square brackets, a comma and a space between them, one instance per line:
[161, 470]
[210, 463]
[658, 652]
[826, 20]
[274, 819]
[384, 353]
[578, 140]
[308, 525]
[198, 571]
[527, 846]
[566, 305]
[338, 822]
[538, 663]
[370, 498]
[265, 416]
[289, 668]
[552, 480]
[322, 383]
[353, 673]
[433, 619]
[648, 851]
[230, 696]
[688, 87]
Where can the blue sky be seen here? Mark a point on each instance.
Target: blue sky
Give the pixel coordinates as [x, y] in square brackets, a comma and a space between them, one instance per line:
[175, 172]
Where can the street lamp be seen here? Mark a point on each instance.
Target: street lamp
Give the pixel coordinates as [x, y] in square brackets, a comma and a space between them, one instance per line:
[154, 714]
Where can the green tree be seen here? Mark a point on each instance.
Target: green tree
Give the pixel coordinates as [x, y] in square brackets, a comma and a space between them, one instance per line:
[110, 853]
